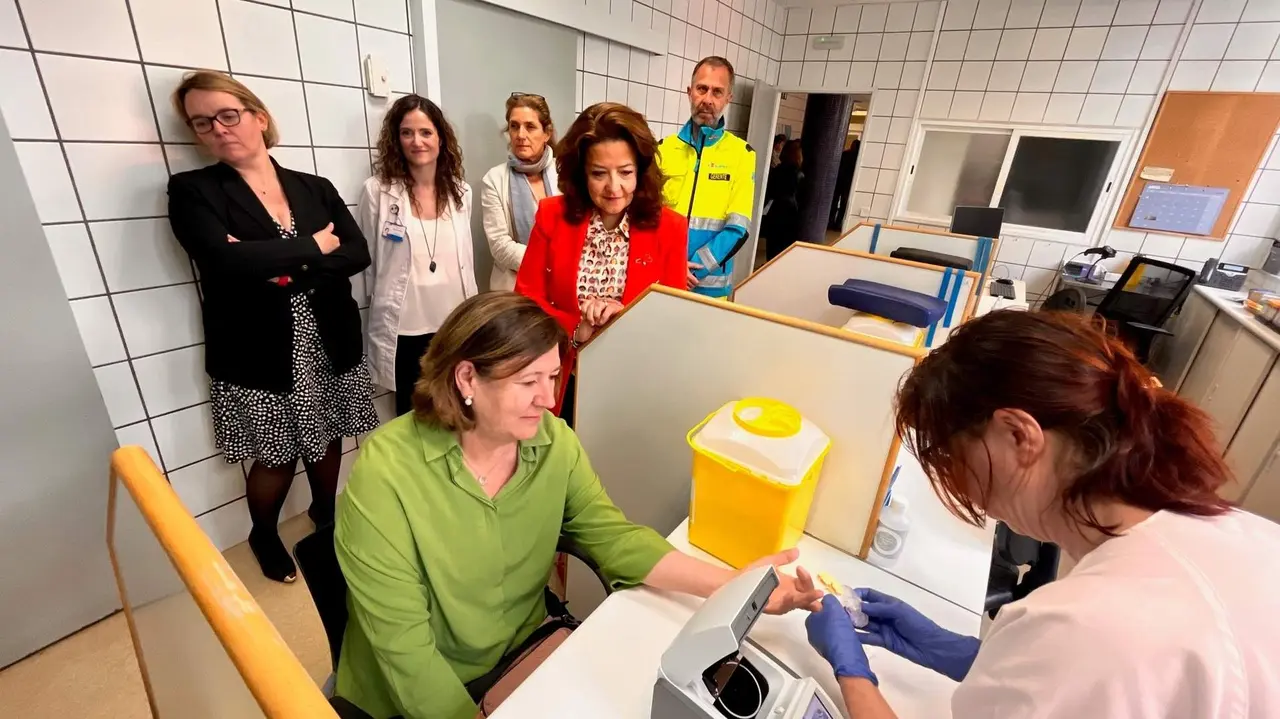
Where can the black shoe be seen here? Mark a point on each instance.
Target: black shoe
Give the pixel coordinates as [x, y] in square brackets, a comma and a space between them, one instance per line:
[319, 519]
[273, 558]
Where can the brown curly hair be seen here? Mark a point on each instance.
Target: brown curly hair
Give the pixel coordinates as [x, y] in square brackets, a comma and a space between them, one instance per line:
[391, 166]
[600, 123]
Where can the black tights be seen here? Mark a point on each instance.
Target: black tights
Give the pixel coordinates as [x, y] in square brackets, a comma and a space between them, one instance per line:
[267, 487]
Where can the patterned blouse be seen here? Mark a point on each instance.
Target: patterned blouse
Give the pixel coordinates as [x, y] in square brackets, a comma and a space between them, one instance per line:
[602, 272]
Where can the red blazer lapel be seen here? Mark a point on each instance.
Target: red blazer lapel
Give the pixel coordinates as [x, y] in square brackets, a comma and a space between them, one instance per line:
[642, 264]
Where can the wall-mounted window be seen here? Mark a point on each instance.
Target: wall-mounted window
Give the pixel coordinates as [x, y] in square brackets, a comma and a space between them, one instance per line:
[1053, 184]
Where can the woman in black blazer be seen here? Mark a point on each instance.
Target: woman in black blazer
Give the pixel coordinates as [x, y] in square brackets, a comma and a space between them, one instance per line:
[283, 343]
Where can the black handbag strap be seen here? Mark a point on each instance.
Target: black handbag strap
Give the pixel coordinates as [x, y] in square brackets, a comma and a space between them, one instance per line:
[559, 618]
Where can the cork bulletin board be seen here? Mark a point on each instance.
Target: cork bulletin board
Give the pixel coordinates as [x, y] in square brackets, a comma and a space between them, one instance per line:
[1205, 139]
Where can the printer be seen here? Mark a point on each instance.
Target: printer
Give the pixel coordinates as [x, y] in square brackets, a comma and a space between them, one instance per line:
[712, 670]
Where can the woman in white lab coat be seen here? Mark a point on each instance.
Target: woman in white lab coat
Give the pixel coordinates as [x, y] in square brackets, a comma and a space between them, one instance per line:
[416, 212]
[1047, 423]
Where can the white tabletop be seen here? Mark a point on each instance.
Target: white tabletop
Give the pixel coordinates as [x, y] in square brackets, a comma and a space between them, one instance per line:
[1230, 303]
[942, 554]
[988, 303]
[608, 666]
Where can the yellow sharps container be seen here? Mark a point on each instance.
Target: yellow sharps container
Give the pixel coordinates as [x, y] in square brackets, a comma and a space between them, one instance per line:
[755, 466]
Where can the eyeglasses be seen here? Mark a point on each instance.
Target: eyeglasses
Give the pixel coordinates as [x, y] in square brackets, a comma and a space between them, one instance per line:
[517, 95]
[229, 117]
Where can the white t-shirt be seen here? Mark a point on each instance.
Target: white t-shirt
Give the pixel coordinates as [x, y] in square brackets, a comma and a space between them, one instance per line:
[430, 296]
[1177, 619]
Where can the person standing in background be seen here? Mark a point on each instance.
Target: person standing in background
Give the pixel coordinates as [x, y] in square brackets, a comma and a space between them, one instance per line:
[710, 180]
[607, 238]
[782, 201]
[778, 141]
[511, 191]
[417, 210]
[274, 247]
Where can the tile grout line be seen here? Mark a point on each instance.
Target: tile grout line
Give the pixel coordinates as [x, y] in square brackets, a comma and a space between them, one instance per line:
[75, 188]
[130, 291]
[306, 102]
[312, 13]
[148, 355]
[364, 94]
[171, 66]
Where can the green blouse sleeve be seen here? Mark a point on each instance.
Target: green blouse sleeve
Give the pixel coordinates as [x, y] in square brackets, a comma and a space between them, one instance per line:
[388, 596]
[625, 552]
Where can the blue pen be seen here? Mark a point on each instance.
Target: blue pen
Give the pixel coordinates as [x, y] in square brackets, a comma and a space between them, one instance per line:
[892, 478]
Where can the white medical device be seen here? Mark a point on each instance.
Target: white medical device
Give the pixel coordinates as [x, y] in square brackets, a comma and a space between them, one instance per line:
[712, 670]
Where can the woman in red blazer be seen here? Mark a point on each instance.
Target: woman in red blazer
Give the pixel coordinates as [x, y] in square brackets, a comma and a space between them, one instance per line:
[600, 243]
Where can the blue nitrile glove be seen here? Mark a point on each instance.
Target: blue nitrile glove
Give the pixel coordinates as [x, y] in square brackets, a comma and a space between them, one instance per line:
[898, 627]
[831, 632]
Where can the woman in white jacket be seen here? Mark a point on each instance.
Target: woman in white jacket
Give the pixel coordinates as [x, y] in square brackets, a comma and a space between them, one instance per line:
[512, 190]
[416, 213]
[1046, 421]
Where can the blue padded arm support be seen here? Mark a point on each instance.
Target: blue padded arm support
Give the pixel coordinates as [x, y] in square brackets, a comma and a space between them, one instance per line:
[893, 303]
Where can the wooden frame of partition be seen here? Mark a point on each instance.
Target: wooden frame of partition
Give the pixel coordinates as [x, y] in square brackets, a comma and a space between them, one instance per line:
[915, 353]
[970, 303]
[985, 271]
[270, 671]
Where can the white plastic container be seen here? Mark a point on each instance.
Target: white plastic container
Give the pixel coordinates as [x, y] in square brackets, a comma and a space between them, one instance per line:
[891, 533]
[885, 329]
[766, 437]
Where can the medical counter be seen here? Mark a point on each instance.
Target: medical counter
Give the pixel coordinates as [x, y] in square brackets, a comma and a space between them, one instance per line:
[607, 667]
[1223, 359]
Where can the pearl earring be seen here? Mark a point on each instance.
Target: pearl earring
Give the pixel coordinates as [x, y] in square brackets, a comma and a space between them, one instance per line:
[467, 400]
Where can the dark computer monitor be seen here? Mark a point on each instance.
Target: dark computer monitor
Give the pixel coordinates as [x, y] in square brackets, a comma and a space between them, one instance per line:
[977, 220]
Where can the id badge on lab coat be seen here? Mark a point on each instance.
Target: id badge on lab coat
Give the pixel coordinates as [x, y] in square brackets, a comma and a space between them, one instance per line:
[393, 231]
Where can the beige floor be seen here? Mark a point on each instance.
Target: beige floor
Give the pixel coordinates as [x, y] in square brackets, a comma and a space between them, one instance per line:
[93, 675]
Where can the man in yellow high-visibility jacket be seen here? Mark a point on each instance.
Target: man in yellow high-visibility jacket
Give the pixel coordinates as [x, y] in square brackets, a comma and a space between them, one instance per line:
[710, 179]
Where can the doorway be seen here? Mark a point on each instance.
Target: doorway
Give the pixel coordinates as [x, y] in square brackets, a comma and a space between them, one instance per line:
[812, 203]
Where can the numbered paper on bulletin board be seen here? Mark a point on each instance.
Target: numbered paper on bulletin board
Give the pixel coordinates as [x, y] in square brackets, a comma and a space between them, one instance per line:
[1183, 209]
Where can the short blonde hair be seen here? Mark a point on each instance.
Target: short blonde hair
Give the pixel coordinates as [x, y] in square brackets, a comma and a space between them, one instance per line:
[499, 333]
[211, 81]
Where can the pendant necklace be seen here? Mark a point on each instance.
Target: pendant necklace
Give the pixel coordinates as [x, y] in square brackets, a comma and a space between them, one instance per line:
[435, 234]
[481, 477]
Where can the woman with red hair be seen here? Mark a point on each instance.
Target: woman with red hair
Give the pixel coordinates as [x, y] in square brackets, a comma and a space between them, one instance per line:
[604, 240]
[1047, 423]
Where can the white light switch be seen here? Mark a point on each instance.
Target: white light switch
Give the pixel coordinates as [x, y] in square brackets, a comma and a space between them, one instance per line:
[375, 77]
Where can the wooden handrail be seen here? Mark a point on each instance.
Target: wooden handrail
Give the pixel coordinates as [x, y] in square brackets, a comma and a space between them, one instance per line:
[273, 675]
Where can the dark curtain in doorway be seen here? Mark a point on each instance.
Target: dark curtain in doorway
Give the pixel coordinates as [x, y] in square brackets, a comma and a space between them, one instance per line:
[826, 124]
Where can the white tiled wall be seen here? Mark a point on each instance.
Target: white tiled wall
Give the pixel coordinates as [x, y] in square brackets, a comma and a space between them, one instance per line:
[1063, 62]
[87, 103]
[885, 49]
[791, 112]
[745, 32]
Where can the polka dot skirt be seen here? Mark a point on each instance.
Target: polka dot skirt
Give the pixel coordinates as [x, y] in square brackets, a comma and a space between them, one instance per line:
[276, 429]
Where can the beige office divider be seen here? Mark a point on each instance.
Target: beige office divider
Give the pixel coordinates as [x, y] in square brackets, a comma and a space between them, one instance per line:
[864, 237]
[891, 237]
[795, 283]
[673, 357]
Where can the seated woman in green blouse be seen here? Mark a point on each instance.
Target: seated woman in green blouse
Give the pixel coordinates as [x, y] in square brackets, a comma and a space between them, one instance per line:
[448, 527]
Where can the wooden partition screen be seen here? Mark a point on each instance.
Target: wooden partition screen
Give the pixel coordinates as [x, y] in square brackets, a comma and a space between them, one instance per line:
[1208, 139]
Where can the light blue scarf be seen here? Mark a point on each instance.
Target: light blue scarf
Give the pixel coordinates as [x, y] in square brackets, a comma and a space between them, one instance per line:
[523, 205]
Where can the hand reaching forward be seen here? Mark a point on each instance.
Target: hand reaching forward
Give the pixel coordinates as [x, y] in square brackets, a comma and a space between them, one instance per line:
[796, 592]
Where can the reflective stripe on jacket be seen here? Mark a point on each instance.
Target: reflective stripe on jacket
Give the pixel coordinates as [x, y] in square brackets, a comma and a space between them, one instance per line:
[711, 181]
